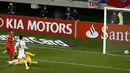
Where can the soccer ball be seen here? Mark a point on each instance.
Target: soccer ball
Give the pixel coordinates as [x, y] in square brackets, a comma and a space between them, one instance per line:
[126, 52]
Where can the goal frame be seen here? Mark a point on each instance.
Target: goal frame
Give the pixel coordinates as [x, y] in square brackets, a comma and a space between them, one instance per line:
[105, 24]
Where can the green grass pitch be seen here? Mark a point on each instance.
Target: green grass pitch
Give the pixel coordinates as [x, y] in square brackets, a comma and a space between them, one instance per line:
[86, 57]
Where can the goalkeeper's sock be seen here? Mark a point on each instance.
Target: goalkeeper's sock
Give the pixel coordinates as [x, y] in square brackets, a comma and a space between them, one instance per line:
[34, 62]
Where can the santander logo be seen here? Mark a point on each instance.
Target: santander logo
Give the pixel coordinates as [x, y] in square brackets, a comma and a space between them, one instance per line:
[1, 22]
[92, 33]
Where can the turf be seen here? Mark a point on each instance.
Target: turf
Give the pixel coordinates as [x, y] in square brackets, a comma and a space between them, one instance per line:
[85, 56]
[68, 60]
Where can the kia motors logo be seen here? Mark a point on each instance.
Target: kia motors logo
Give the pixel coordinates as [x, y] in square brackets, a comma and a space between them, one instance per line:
[1, 22]
[92, 33]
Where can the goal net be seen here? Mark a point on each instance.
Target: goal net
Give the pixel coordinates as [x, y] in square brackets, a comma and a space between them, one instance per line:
[116, 37]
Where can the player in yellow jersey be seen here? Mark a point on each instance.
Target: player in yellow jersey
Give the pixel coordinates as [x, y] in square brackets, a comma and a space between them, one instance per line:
[28, 58]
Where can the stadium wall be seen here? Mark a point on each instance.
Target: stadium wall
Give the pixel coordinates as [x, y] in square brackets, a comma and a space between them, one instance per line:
[79, 4]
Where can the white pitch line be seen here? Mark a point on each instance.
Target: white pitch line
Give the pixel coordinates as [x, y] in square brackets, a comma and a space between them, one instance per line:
[76, 51]
[76, 64]
[83, 65]
[86, 65]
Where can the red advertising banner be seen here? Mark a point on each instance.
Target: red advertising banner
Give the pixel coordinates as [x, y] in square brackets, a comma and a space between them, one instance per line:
[118, 32]
[92, 30]
[77, 29]
[89, 30]
[37, 25]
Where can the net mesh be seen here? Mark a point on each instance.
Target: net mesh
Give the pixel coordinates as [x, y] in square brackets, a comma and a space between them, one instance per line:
[118, 31]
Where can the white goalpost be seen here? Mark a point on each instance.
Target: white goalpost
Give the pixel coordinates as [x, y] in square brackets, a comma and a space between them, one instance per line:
[105, 24]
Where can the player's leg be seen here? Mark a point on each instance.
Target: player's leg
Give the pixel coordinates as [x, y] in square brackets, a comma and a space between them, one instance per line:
[11, 54]
[25, 61]
[29, 53]
[29, 60]
[34, 62]
[21, 61]
[22, 56]
[10, 51]
[5, 51]
[13, 61]
[26, 65]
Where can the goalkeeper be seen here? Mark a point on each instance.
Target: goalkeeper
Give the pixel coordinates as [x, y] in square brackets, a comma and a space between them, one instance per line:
[120, 16]
[28, 58]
